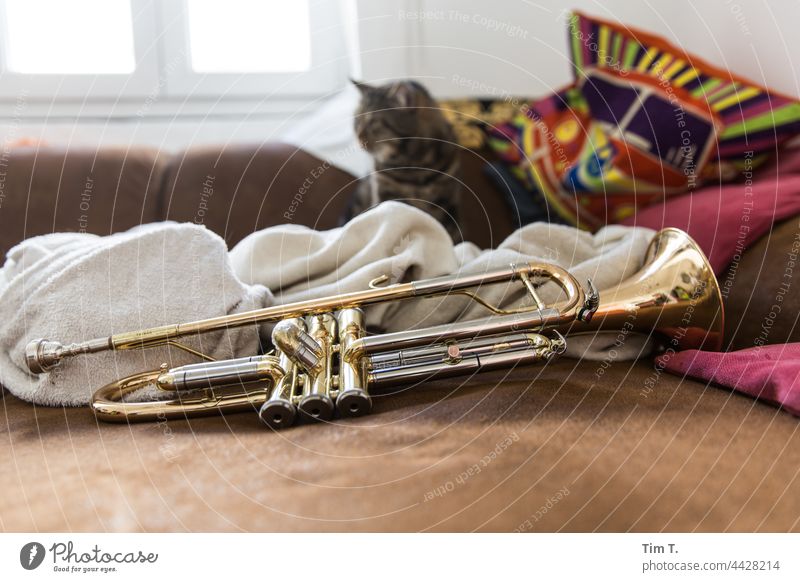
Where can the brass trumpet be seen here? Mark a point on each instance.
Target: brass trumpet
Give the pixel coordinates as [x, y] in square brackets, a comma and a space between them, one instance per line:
[324, 361]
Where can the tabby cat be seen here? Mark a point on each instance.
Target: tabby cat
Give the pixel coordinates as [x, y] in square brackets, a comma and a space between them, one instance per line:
[415, 151]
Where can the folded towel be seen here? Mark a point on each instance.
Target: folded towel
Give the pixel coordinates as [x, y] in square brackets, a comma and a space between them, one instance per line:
[770, 372]
[75, 287]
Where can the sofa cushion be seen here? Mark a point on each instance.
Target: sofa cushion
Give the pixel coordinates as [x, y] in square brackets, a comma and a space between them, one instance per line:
[236, 190]
[760, 290]
[74, 189]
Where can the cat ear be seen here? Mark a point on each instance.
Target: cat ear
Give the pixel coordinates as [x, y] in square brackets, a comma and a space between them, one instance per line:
[404, 94]
[363, 87]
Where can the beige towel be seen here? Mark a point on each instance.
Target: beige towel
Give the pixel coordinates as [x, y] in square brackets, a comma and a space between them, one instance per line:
[75, 287]
[405, 244]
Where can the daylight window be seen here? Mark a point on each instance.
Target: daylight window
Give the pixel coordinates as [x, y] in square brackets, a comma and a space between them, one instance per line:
[75, 37]
[240, 36]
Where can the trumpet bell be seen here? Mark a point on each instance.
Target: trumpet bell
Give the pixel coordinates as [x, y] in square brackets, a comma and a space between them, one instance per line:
[674, 294]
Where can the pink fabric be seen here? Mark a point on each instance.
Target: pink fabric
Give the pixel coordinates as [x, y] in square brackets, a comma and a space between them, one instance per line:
[771, 373]
[725, 220]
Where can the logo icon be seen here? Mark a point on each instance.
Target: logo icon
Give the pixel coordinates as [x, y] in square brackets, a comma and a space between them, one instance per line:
[31, 555]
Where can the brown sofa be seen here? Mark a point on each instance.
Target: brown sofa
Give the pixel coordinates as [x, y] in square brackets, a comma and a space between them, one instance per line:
[534, 449]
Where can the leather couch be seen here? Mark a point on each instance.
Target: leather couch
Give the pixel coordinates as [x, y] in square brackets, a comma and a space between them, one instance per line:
[533, 449]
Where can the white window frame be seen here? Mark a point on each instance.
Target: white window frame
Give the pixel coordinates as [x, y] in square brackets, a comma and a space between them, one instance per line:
[50, 87]
[328, 59]
[163, 70]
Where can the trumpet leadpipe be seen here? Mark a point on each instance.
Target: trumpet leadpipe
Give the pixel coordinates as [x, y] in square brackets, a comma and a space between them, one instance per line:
[352, 399]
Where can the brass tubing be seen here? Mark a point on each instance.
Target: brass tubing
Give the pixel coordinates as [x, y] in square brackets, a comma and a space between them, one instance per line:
[352, 399]
[426, 288]
[543, 350]
[109, 406]
[316, 402]
[218, 363]
[452, 350]
[279, 411]
[564, 313]
[457, 331]
[217, 374]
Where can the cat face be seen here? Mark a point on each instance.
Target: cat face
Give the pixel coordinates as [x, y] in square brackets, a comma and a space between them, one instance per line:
[389, 113]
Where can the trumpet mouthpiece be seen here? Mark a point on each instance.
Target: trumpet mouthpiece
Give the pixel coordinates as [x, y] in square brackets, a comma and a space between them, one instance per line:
[42, 355]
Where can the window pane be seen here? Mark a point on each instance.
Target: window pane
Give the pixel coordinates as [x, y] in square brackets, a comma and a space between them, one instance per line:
[241, 36]
[69, 37]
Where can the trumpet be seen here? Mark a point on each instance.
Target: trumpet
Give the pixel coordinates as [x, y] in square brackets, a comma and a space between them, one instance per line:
[324, 362]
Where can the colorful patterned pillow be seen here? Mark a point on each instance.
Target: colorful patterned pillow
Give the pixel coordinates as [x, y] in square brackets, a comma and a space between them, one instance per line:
[642, 120]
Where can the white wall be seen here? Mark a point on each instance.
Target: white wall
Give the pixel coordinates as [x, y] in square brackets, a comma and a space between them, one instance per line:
[520, 46]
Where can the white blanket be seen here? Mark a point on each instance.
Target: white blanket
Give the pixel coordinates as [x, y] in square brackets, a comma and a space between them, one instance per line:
[74, 287]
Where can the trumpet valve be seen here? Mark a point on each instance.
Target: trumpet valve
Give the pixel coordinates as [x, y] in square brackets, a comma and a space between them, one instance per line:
[353, 399]
[353, 403]
[312, 347]
[278, 413]
[290, 337]
[317, 406]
